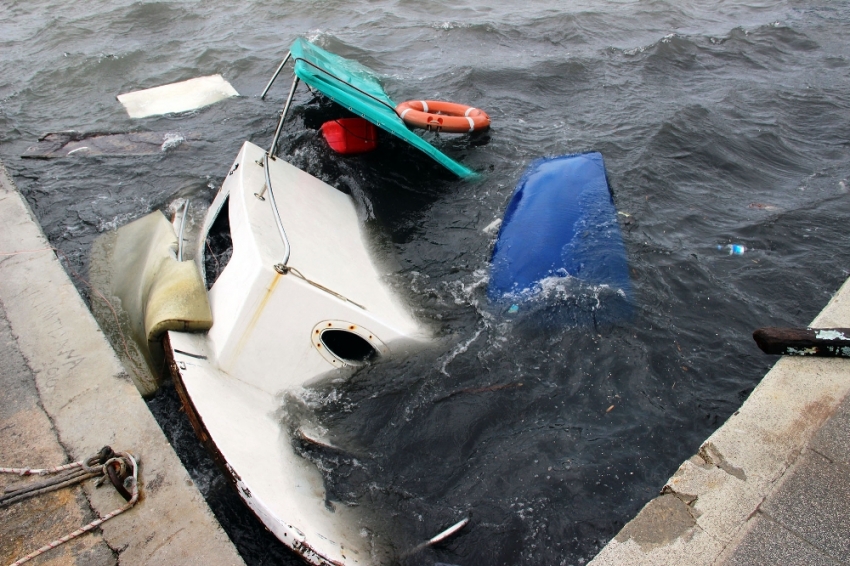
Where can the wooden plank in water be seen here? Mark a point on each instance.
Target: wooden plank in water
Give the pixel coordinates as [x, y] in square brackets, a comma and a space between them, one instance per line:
[823, 342]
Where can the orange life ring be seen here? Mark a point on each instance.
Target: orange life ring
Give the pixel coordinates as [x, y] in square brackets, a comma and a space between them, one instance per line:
[442, 116]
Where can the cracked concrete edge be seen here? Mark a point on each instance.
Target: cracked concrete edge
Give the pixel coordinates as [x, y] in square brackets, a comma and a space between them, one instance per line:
[744, 461]
[91, 402]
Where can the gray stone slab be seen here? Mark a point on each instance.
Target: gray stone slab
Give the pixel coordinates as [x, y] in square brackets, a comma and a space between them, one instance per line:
[28, 440]
[813, 503]
[770, 544]
[89, 401]
[833, 439]
[17, 388]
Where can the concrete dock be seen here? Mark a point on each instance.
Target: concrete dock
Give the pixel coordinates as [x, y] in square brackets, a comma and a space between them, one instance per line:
[769, 487]
[63, 396]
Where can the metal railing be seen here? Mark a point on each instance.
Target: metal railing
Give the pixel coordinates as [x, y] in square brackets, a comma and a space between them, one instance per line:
[281, 267]
[273, 148]
[276, 73]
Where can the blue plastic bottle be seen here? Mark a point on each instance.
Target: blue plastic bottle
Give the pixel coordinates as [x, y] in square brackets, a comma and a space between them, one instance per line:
[733, 249]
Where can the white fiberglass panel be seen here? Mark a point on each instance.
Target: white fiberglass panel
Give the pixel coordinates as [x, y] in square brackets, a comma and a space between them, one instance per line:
[177, 97]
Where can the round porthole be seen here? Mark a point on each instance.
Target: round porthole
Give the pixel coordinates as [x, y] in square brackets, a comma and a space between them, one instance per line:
[346, 344]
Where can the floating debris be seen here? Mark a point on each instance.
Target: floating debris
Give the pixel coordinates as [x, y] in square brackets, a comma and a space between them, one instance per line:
[177, 97]
[492, 227]
[823, 342]
[628, 220]
[763, 206]
[451, 531]
[733, 249]
[66, 144]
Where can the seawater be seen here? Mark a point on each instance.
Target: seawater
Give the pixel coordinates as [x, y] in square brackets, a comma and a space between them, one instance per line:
[720, 123]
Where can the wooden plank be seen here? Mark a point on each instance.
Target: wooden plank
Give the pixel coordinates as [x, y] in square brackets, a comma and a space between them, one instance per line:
[824, 342]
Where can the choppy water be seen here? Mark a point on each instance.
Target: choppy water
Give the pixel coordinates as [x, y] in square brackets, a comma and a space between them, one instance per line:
[720, 122]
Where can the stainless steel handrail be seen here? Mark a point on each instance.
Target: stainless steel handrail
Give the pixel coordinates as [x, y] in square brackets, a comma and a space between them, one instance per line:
[280, 267]
[276, 73]
[273, 148]
[276, 214]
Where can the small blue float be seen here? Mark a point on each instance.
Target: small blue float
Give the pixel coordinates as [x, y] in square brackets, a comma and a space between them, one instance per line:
[560, 221]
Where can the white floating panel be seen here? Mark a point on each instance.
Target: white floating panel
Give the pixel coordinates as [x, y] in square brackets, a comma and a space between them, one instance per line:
[177, 97]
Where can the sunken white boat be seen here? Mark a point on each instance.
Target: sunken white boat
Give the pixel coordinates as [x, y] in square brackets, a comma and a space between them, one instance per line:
[300, 297]
[299, 300]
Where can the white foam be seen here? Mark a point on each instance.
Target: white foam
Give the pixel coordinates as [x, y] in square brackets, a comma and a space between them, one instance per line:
[170, 141]
[459, 349]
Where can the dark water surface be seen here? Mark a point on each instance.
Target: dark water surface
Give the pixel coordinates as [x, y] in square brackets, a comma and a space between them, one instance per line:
[720, 122]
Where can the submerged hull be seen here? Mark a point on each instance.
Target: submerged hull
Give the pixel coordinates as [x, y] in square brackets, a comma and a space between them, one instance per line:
[276, 329]
[237, 426]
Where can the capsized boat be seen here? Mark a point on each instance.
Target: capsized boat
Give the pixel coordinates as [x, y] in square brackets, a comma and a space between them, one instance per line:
[561, 222]
[283, 292]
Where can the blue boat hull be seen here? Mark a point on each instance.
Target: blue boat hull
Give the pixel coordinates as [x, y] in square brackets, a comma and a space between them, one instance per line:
[560, 222]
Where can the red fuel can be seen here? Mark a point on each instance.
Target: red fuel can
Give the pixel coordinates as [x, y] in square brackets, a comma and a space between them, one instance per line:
[350, 135]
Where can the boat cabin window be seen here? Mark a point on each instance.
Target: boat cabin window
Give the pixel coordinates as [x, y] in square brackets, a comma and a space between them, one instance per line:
[347, 346]
[218, 246]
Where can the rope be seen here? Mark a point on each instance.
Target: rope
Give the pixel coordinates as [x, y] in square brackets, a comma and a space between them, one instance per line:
[67, 480]
[288, 269]
[99, 464]
[66, 475]
[26, 251]
[40, 472]
[364, 138]
[215, 257]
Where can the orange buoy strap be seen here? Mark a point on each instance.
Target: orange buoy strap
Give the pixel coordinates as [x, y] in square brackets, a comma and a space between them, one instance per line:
[424, 104]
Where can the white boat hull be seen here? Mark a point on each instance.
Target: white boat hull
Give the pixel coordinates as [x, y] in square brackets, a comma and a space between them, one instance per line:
[269, 339]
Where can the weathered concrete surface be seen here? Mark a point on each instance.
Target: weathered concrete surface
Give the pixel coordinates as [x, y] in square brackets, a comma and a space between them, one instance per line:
[769, 486]
[86, 401]
[805, 520]
[29, 440]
